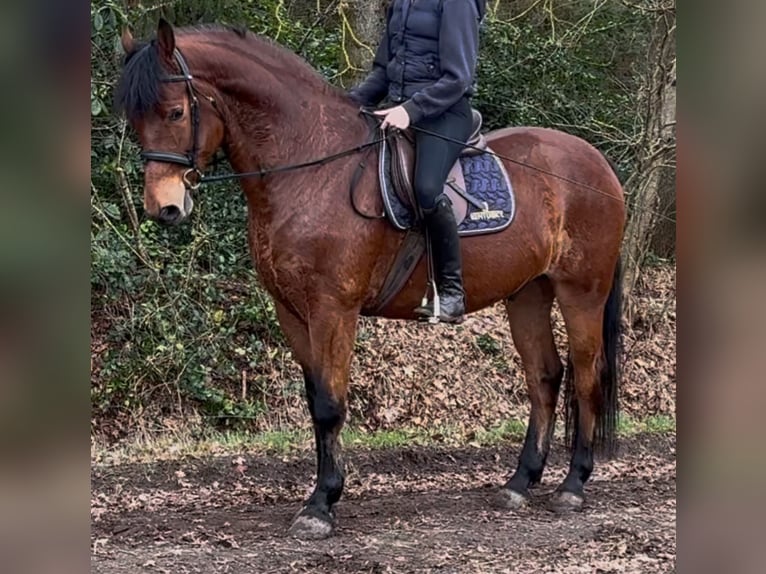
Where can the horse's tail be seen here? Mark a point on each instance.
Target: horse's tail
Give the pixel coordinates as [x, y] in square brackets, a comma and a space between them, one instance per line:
[604, 437]
[606, 424]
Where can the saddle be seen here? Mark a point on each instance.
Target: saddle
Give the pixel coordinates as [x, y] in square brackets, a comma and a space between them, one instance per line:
[478, 187]
[403, 169]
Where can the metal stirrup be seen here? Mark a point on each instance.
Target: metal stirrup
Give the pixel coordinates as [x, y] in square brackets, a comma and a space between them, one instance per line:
[431, 282]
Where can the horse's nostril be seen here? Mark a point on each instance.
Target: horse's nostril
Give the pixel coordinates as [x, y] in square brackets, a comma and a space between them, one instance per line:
[169, 214]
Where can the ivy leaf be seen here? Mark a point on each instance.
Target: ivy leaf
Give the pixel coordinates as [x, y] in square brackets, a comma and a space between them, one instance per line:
[98, 21]
[95, 107]
[112, 210]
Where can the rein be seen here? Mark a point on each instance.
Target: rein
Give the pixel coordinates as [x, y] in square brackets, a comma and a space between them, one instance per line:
[291, 167]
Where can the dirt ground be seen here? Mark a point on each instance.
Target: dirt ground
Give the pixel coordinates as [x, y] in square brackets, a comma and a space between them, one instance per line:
[411, 510]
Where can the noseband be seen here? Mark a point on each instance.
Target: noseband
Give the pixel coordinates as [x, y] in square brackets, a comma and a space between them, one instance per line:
[189, 159]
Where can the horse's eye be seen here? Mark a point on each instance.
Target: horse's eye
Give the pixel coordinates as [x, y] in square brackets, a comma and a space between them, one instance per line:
[176, 114]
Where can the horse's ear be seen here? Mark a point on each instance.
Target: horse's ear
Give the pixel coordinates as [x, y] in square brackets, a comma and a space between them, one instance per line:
[128, 44]
[166, 40]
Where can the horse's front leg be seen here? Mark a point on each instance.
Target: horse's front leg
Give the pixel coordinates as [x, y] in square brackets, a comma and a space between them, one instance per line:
[322, 342]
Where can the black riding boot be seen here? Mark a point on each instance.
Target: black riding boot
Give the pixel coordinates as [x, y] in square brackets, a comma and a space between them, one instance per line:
[442, 228]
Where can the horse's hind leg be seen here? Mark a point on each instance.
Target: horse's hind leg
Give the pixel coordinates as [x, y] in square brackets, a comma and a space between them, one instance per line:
[529, 313]
[591, 316]
[322, 344]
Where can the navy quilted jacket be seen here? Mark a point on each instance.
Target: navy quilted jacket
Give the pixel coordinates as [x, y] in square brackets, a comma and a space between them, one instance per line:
[427, 56]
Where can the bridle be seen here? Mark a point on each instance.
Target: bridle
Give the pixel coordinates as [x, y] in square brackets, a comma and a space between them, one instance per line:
[189, 159]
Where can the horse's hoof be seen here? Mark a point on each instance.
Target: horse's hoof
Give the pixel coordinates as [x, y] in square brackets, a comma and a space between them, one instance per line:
[310, 528]
[511, 500]
[564, 501]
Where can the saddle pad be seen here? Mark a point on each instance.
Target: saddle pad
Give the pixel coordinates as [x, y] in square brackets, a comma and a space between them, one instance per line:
[486, 180]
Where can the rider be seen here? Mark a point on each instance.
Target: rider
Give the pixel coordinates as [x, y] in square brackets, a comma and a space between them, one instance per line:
[425, 65]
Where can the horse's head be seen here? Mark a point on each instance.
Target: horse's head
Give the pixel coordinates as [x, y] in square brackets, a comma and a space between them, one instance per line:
[175, 118]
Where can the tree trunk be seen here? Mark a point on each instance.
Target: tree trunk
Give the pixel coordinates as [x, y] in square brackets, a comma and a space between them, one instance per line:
[362, 29]
[663, 240]
[651, 190]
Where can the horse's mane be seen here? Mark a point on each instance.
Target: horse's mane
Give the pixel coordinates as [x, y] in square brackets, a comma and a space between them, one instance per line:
[138, 90]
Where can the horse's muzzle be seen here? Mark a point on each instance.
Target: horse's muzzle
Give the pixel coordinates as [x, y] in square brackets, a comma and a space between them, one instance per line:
[173, 215]
[170, 215]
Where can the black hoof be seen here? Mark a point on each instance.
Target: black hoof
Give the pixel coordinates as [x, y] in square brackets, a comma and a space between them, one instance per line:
[511, 500]
[310, 525]
[564, 501]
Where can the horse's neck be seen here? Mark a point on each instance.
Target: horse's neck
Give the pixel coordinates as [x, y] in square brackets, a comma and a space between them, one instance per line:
[279, 118]
[276, 118]
[314, 129]
[263, 130]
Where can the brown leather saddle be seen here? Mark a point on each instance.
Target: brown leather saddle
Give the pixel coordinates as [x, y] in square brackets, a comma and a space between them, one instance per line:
[403, 168]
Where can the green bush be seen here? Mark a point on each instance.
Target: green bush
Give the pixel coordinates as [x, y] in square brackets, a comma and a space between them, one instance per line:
[579, 77]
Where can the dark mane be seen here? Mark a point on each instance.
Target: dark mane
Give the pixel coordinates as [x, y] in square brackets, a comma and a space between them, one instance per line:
[138, 90]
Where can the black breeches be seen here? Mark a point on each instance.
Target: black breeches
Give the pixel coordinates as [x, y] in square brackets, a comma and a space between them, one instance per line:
[434, 156]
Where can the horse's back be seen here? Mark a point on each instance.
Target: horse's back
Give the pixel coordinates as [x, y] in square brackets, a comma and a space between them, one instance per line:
[558, 224]
[568, 170]
[556, 154]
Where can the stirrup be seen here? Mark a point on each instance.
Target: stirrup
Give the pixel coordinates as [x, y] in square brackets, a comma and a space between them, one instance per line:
[425, 309]
[429, 311]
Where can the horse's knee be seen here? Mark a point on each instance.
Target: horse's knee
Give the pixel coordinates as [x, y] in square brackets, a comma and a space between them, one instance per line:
[327, 411]
[545, 384]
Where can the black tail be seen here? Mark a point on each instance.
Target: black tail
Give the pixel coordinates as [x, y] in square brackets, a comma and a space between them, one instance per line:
[604, 440]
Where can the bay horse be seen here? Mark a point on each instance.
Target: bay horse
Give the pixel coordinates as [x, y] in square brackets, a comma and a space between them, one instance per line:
[323, 264]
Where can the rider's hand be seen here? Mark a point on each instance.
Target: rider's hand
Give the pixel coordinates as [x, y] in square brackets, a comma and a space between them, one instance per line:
[395, 117]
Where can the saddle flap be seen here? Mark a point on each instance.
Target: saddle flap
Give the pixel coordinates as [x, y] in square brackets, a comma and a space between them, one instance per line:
[477, 185]
[403, 166]
[459, 204]
[403, 170]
